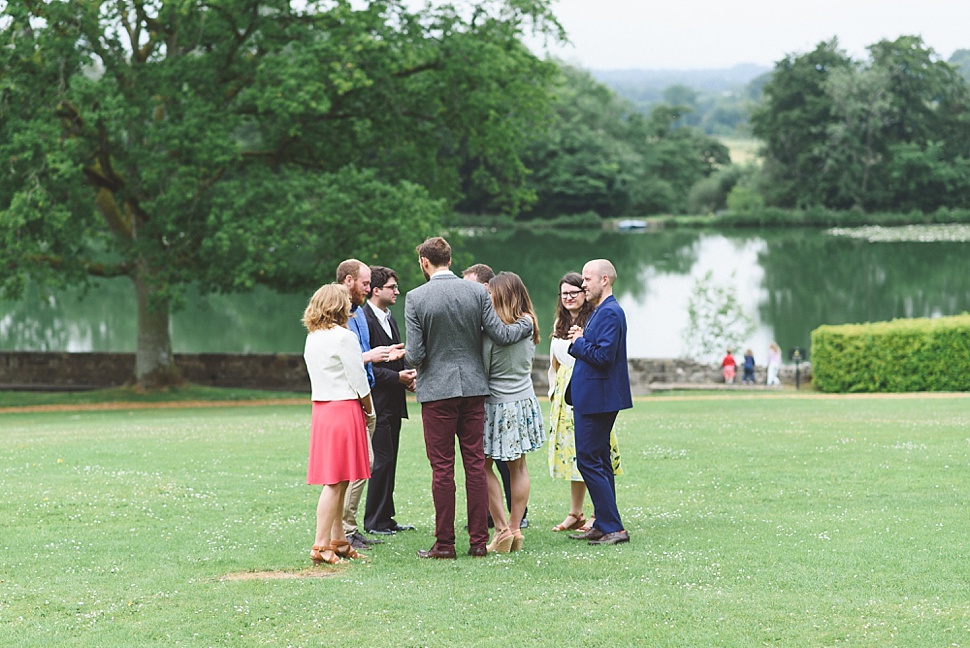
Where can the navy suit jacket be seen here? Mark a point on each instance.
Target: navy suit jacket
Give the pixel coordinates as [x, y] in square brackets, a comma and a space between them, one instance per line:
[601, 378]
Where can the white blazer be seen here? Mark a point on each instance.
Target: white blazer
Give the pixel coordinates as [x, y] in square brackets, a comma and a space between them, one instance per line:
[335, 364]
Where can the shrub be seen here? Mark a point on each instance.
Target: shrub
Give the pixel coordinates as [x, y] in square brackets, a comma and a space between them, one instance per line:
[899, 356]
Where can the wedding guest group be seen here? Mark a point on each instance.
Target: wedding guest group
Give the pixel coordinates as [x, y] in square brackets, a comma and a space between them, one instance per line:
[468, 358]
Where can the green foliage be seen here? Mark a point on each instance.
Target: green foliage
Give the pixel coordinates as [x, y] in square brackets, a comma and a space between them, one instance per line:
[897, 356]
[743, 199]
[241, 142]
[891, 133]
[599, 155]
[716, 320]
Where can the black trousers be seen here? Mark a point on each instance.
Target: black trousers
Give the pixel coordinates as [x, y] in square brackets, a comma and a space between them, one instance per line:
[379, 510]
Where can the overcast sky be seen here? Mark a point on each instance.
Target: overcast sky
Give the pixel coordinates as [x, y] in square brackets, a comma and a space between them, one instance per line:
[695, 34]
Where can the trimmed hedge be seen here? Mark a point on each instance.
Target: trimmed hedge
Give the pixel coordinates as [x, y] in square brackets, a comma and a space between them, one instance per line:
[903, 355]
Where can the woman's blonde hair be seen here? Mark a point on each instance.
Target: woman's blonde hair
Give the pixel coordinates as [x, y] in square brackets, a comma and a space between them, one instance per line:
[511, 300]
[329, 307]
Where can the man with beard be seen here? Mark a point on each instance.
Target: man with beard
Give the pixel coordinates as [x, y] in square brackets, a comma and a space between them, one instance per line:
[444, 320]
[599, 388]
[355, 276]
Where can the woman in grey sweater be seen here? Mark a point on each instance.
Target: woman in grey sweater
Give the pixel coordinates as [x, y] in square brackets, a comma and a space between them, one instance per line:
[513, 419]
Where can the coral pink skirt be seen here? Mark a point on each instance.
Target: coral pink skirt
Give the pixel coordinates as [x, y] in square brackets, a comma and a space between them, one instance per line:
[338, 443]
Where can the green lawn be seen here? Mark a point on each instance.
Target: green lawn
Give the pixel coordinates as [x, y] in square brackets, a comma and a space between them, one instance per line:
[792, 519]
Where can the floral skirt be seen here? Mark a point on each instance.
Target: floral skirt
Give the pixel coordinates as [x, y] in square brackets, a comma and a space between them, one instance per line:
[512, 429]
[562, 434]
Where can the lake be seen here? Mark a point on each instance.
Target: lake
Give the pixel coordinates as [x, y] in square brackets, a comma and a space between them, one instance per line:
[788, 281]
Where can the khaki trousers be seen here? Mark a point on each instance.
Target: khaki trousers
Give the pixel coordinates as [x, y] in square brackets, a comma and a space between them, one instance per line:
[354, 492]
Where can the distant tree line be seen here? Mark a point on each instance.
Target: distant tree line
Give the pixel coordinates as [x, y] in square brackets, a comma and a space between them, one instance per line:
[891, 133]
[598, 154]
[887, 134]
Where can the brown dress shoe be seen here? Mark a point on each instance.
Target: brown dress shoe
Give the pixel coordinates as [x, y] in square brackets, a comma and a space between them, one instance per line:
[478, 552]
[611, 538]
[592, 534]
[441, 552]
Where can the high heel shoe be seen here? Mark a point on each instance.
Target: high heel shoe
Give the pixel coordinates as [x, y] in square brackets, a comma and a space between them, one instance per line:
[323, 554]
[517, 541]
[502, 542]
[343, 549]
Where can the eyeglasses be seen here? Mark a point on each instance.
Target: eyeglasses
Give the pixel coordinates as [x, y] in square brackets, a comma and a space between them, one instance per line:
[571, 294]
[392, 287]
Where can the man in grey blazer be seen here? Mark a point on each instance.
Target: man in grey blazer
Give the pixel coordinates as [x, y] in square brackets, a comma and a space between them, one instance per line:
[444, 321]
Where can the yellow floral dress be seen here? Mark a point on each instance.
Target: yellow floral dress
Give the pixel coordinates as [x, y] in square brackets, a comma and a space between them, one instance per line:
[562, 434]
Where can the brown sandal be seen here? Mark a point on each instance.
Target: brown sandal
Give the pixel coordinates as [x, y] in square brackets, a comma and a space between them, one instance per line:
[324, 554]
[343, 549]
[578, 521]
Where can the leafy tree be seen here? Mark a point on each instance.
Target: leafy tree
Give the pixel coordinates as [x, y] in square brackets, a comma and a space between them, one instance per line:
[833, 127]
[229, 143]
[716, 319]
[793, 120]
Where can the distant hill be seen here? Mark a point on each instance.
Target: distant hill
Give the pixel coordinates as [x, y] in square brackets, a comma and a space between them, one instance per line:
[718, 99]
[714, 80]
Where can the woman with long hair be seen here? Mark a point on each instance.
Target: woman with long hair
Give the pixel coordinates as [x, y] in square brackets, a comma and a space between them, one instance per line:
[513, 419]
[572, 310]
[341, 418]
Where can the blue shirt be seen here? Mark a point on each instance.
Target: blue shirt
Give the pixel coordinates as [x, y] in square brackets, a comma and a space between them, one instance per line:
[358, 324]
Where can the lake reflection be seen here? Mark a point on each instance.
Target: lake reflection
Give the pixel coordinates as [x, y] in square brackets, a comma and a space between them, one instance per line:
[788, 281]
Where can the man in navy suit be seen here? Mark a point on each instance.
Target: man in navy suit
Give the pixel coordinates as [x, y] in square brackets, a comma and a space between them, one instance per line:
[599, 389]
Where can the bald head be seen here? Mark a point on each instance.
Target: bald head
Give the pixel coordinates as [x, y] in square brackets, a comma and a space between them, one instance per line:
[599, 275]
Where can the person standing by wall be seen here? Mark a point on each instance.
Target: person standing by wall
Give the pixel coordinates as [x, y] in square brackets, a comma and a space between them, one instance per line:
[748, 367]
[774, 364]
[729, 367]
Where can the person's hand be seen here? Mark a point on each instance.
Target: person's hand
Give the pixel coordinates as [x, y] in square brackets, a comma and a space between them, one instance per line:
[406, 377]
[575, 332]
[412, 386]
[395, 352]
[371, 420]
[377, 354]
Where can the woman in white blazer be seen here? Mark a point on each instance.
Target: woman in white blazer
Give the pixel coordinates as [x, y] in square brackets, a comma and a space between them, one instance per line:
[342, 414]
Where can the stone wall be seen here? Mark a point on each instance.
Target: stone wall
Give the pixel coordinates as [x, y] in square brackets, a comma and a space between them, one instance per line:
[287, 372]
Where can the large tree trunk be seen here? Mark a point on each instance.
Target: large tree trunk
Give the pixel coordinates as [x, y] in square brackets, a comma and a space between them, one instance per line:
[154, 364]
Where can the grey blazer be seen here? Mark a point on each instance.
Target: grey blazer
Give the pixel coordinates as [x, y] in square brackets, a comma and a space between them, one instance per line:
[444, 320]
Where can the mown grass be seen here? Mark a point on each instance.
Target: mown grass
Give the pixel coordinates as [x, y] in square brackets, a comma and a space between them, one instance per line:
[787, 520]
[188, 392]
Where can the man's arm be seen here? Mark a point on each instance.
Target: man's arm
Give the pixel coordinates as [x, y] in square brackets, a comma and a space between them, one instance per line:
[414, 351]
[501, 333]
[600, 350]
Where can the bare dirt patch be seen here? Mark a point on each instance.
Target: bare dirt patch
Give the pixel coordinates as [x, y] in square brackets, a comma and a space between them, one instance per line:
[278, 574]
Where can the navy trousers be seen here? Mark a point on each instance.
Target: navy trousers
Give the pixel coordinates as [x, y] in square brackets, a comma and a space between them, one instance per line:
[593, 461]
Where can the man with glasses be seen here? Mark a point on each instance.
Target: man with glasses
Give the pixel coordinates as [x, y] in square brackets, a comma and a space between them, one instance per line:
[392, 380]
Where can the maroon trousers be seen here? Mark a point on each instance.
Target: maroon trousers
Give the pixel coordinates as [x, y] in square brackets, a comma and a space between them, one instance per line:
[443, 421]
